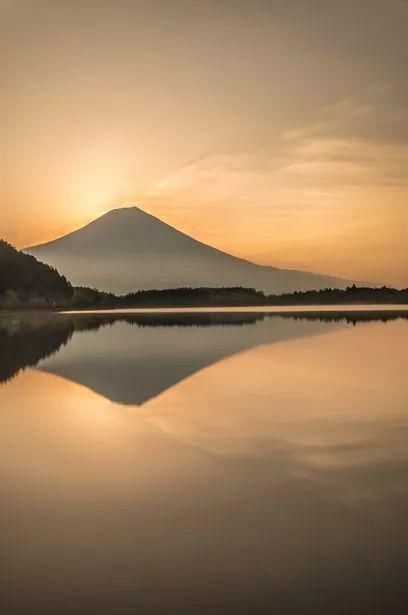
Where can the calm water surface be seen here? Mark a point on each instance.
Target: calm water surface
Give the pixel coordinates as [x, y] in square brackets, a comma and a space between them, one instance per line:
[204, 463]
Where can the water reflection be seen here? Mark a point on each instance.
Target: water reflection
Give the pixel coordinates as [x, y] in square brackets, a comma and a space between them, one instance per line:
[272, 479]
[133, 366]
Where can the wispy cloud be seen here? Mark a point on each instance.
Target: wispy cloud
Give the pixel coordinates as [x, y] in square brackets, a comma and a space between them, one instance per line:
[325, 153]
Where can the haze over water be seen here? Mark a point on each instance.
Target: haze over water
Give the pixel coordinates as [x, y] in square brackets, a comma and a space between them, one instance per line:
[204, 463]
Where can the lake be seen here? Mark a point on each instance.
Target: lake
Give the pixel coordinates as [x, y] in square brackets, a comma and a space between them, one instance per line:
[219, 462]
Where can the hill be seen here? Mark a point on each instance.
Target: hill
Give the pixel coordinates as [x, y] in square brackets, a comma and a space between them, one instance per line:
[127, 250]
[25, 282]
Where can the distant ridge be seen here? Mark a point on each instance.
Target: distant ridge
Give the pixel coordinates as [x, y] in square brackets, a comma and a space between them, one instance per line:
[127, 250]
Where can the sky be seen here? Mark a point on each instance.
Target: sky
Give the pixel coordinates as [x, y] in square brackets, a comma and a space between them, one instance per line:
[276, 130]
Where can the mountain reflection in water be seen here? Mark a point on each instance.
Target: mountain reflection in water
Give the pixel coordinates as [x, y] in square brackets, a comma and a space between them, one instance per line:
[133, 358]
[179, 464]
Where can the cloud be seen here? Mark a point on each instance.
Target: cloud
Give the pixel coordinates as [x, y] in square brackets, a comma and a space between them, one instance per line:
[335, 152]
[378, 114]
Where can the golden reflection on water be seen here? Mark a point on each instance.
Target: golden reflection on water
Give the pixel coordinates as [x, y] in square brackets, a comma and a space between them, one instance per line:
[313, 394]
[258, 472]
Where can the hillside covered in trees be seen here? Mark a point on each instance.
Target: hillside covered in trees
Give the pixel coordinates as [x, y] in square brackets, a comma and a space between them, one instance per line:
[25, 282]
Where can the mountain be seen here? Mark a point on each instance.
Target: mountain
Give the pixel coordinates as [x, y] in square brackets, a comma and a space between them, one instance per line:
[28, 283]
[127, 250]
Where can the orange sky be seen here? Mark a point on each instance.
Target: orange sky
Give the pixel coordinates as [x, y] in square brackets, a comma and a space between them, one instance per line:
[275, 130]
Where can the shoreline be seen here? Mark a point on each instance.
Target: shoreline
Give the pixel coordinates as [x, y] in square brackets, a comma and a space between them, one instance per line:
[295, 309]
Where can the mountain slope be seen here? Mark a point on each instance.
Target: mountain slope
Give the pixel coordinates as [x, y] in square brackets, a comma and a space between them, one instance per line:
[127, 250]
[25, 281]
